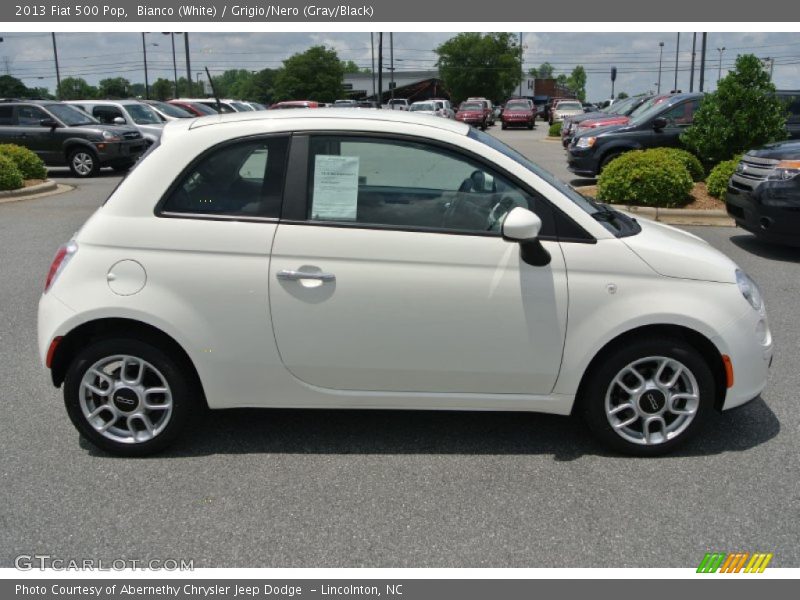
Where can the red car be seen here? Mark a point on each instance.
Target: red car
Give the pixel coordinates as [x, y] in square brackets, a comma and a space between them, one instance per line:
[473, 112]
[295, 104]
[518, 112]
[195, 108]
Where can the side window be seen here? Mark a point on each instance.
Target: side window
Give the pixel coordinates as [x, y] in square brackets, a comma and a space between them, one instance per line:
[682, 114]
[107, 114]
[402, 184]
[240, 179]
[793, 106]
[30, 115]
[6, 115]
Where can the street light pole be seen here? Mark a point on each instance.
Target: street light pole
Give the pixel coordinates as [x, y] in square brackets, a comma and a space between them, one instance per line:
[719, 71]
[677, 51]
[146, 81]
[372, 46]
[521, 70]
[391, 62]
[694, 50]
[174, 63]
[703, 60]
[660, 55]
[188, 63]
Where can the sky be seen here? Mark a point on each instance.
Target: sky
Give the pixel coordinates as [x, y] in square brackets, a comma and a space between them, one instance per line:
[96, 56]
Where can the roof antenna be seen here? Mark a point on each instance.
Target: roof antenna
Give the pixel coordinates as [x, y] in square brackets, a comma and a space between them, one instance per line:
[213, 90]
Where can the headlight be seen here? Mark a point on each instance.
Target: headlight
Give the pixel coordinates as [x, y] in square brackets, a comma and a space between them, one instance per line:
[749, 290]
[786, 169]
[111, 137]
[586, 142]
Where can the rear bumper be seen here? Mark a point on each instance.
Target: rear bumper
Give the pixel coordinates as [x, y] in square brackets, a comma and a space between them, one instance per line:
[769, 209]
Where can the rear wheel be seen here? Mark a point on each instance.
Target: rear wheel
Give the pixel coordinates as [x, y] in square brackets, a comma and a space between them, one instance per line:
[504, 125]
[648, 397]
[83, 162]
[127, 396]
[607, 159]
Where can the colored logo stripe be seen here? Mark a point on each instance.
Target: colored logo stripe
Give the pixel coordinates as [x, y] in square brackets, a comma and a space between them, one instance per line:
[734, 562]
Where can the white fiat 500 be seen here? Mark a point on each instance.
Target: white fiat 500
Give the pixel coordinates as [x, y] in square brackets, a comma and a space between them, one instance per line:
[378, 259]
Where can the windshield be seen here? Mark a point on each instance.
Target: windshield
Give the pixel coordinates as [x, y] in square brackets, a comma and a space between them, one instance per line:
[141, 114]
[569, 106]
[644, 106]
[517, 106]
[171, 110]
[70, 115]
[241, 107]
[202, 108]
[427, 106]
[614, 221]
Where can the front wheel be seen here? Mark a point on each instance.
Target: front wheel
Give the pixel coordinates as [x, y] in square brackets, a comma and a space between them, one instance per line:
[648, 397]
[128, 397]
[83, 163]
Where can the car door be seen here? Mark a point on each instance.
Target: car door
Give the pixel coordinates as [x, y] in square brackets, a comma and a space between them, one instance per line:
[28, 131]
[392, 274]
[106, 113]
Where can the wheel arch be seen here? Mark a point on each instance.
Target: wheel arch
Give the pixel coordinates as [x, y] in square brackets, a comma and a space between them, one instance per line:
[697, 340]
[99, 329]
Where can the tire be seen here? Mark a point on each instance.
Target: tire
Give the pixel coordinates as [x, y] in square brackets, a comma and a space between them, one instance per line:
[119, 409]
[124, 168]
[530, 125]
[504, 126]
[483, 126]
[650, 403]
[83, 162]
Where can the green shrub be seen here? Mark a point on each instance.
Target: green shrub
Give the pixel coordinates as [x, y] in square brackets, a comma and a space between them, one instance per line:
[687, 159]
[30, 165]
[555, 129]
[10, 177]
[717, 180]
[645, 178]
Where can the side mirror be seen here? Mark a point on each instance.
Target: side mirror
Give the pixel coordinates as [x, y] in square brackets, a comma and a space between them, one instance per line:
[659, 123]
[51, 123]
[119, 121]
[523, 226]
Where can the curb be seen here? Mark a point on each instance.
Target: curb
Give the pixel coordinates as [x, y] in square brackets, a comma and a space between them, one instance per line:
[46, 188]
[550, 138]
[678, 216]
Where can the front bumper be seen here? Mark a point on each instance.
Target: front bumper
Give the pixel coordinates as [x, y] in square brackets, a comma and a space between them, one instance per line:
[748, 342]
[120, 152]
[769, 209]
[581, 161]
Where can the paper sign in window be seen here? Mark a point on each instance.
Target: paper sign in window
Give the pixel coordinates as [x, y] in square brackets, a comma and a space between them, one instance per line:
[335, 188]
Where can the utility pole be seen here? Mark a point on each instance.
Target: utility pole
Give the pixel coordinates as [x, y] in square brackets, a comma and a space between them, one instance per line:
[380, 69]
[58, 72]
[703, 61]
[719, 72]
[146, 81]
[188, 64]
[660, 54]
[521, 70]
[677, 51]
[372, 45]
[391, 63]
[694, 48]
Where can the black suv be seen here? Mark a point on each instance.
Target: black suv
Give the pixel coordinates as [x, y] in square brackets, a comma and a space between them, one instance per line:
[64, 135]
[660, 125]
[764, 193]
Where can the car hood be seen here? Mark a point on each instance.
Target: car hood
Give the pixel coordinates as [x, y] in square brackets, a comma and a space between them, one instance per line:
[587, 116]
[778, 150]
[672, 252]
[605, 122]
[96, 128]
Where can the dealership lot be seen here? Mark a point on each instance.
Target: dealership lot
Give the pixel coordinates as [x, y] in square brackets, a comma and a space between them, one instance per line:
[388, 489]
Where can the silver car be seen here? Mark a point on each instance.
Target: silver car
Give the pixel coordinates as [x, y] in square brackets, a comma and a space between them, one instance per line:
[125, 112]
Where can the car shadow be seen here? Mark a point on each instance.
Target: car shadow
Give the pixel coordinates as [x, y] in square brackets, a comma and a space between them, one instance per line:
[750, 243]
[581, 181]
[65, 173]
[284, 431]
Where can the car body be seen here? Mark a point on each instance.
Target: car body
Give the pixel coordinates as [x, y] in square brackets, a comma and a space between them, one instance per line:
[124, 112]
[195, 108]
[488, 109]
[566, 108]
[571, 123]
[295, 104]
[519, 113]
[255, 105]
[429, 107]
[447, 107]
[167, 111]
[472, 112]
[763, 194]
[551, 106]
[225, 105]
[345, 103]
[383, 260]
[63, 135]
[659, 126]
[398, 104]
[542, 106]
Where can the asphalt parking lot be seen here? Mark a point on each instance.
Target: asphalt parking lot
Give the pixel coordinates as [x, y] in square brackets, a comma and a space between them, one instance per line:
[388, 489]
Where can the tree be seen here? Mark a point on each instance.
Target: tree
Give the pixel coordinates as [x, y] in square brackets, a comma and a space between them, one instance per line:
[136, 90]
[350, 67]
[475, 64]
[576, 82]
[743, 113]
[42, 93]
[11, 87]
[162, 89]
[315, 74]
[228, 83]
[622, 95]
[260, 87]
[76, 88]
[114, 87]
[545, 71]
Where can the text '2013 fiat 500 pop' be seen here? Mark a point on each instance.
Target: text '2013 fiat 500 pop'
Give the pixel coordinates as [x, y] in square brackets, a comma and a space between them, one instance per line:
[378, 259]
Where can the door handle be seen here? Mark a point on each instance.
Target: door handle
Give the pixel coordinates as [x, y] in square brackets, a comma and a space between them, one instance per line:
[286, 275]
